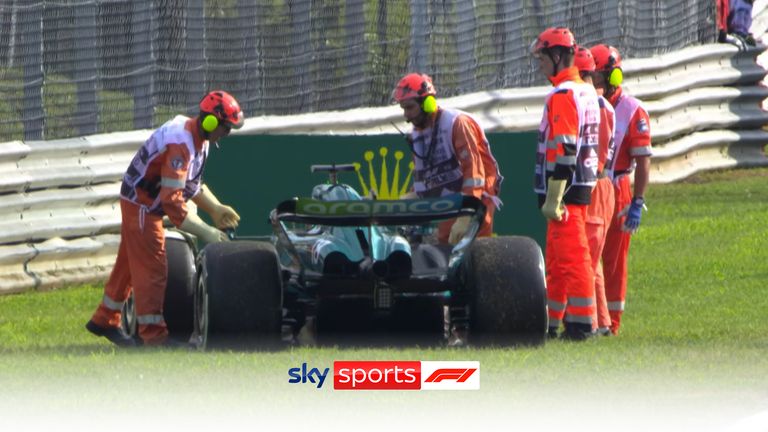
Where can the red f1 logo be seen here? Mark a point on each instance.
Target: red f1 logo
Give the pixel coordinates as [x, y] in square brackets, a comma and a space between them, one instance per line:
[406, 375]
[450, 375]
[458, 375]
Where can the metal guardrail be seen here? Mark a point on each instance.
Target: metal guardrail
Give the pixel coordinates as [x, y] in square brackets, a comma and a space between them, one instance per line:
[704, 67]
[66, 163]
[59, 213]
[56, 262]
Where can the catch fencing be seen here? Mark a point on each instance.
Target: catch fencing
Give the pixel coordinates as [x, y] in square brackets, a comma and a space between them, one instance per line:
[71, 68]
[59, 212]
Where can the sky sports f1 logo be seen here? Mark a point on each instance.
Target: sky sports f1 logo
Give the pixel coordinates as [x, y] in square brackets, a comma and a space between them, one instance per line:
[406, 375]
[393, 375]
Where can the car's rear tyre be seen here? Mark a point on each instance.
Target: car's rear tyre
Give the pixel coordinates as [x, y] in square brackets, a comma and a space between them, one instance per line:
[238, 296]
[507, 291]
[178, 306]
[178, 309]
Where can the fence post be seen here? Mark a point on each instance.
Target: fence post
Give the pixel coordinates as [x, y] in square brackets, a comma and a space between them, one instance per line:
[31, 53]
[419, 51]
[357, 55]
[8, 19]
[466, 24]
[248, 92]
[143, 70]
[301, 51]
[198, 83]
[86, 67]
[612, 33]
[509, 42]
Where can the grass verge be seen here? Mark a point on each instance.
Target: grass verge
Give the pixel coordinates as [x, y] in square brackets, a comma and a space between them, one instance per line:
[692, 349]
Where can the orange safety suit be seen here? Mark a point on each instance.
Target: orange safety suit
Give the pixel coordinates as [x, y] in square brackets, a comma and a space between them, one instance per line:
[454, 156]
[600, 212]
[567, 150]
[164, 174]
[632, 138]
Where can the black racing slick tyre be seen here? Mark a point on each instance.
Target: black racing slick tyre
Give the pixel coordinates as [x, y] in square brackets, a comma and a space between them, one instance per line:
[239, 296]
[178, 308]
[505, 279]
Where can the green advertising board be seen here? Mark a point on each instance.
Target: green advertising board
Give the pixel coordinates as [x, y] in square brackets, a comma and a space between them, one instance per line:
[253, 173]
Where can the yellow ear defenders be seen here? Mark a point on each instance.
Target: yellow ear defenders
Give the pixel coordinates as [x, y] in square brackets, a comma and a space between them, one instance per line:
[616, 77]
[429, 105]
[210, 123]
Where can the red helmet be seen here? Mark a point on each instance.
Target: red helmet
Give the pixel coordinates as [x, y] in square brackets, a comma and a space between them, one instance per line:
[552, 37]
[224, 107]
[606, 57]
[412, 86]
[584, 60]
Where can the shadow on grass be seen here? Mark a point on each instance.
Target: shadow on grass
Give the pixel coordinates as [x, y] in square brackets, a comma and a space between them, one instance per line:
[370, 340]
[373, 340]
[77, 350]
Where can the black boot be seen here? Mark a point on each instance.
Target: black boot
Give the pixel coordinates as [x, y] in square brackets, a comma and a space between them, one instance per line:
[115, 335]
[552, 333]
[604, 331]
[577, 331]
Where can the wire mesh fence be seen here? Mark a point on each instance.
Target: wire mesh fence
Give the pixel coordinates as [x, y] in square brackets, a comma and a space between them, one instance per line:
[78, 67]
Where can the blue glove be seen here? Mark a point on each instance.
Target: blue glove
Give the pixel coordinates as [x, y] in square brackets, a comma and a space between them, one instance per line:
[633, 212]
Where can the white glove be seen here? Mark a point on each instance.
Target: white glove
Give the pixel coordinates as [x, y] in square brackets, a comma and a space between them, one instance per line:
[553, 207]
[204, 232]
[458, 229]
[225, 216]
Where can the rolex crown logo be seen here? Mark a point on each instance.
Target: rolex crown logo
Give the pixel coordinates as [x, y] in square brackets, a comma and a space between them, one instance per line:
[381, 185]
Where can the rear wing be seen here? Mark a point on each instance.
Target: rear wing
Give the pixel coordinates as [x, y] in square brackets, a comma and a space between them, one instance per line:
[378, 212]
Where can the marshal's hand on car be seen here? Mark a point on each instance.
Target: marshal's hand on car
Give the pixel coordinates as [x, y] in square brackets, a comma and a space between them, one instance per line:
[204, 232]
[458, 229]
[225, 217]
